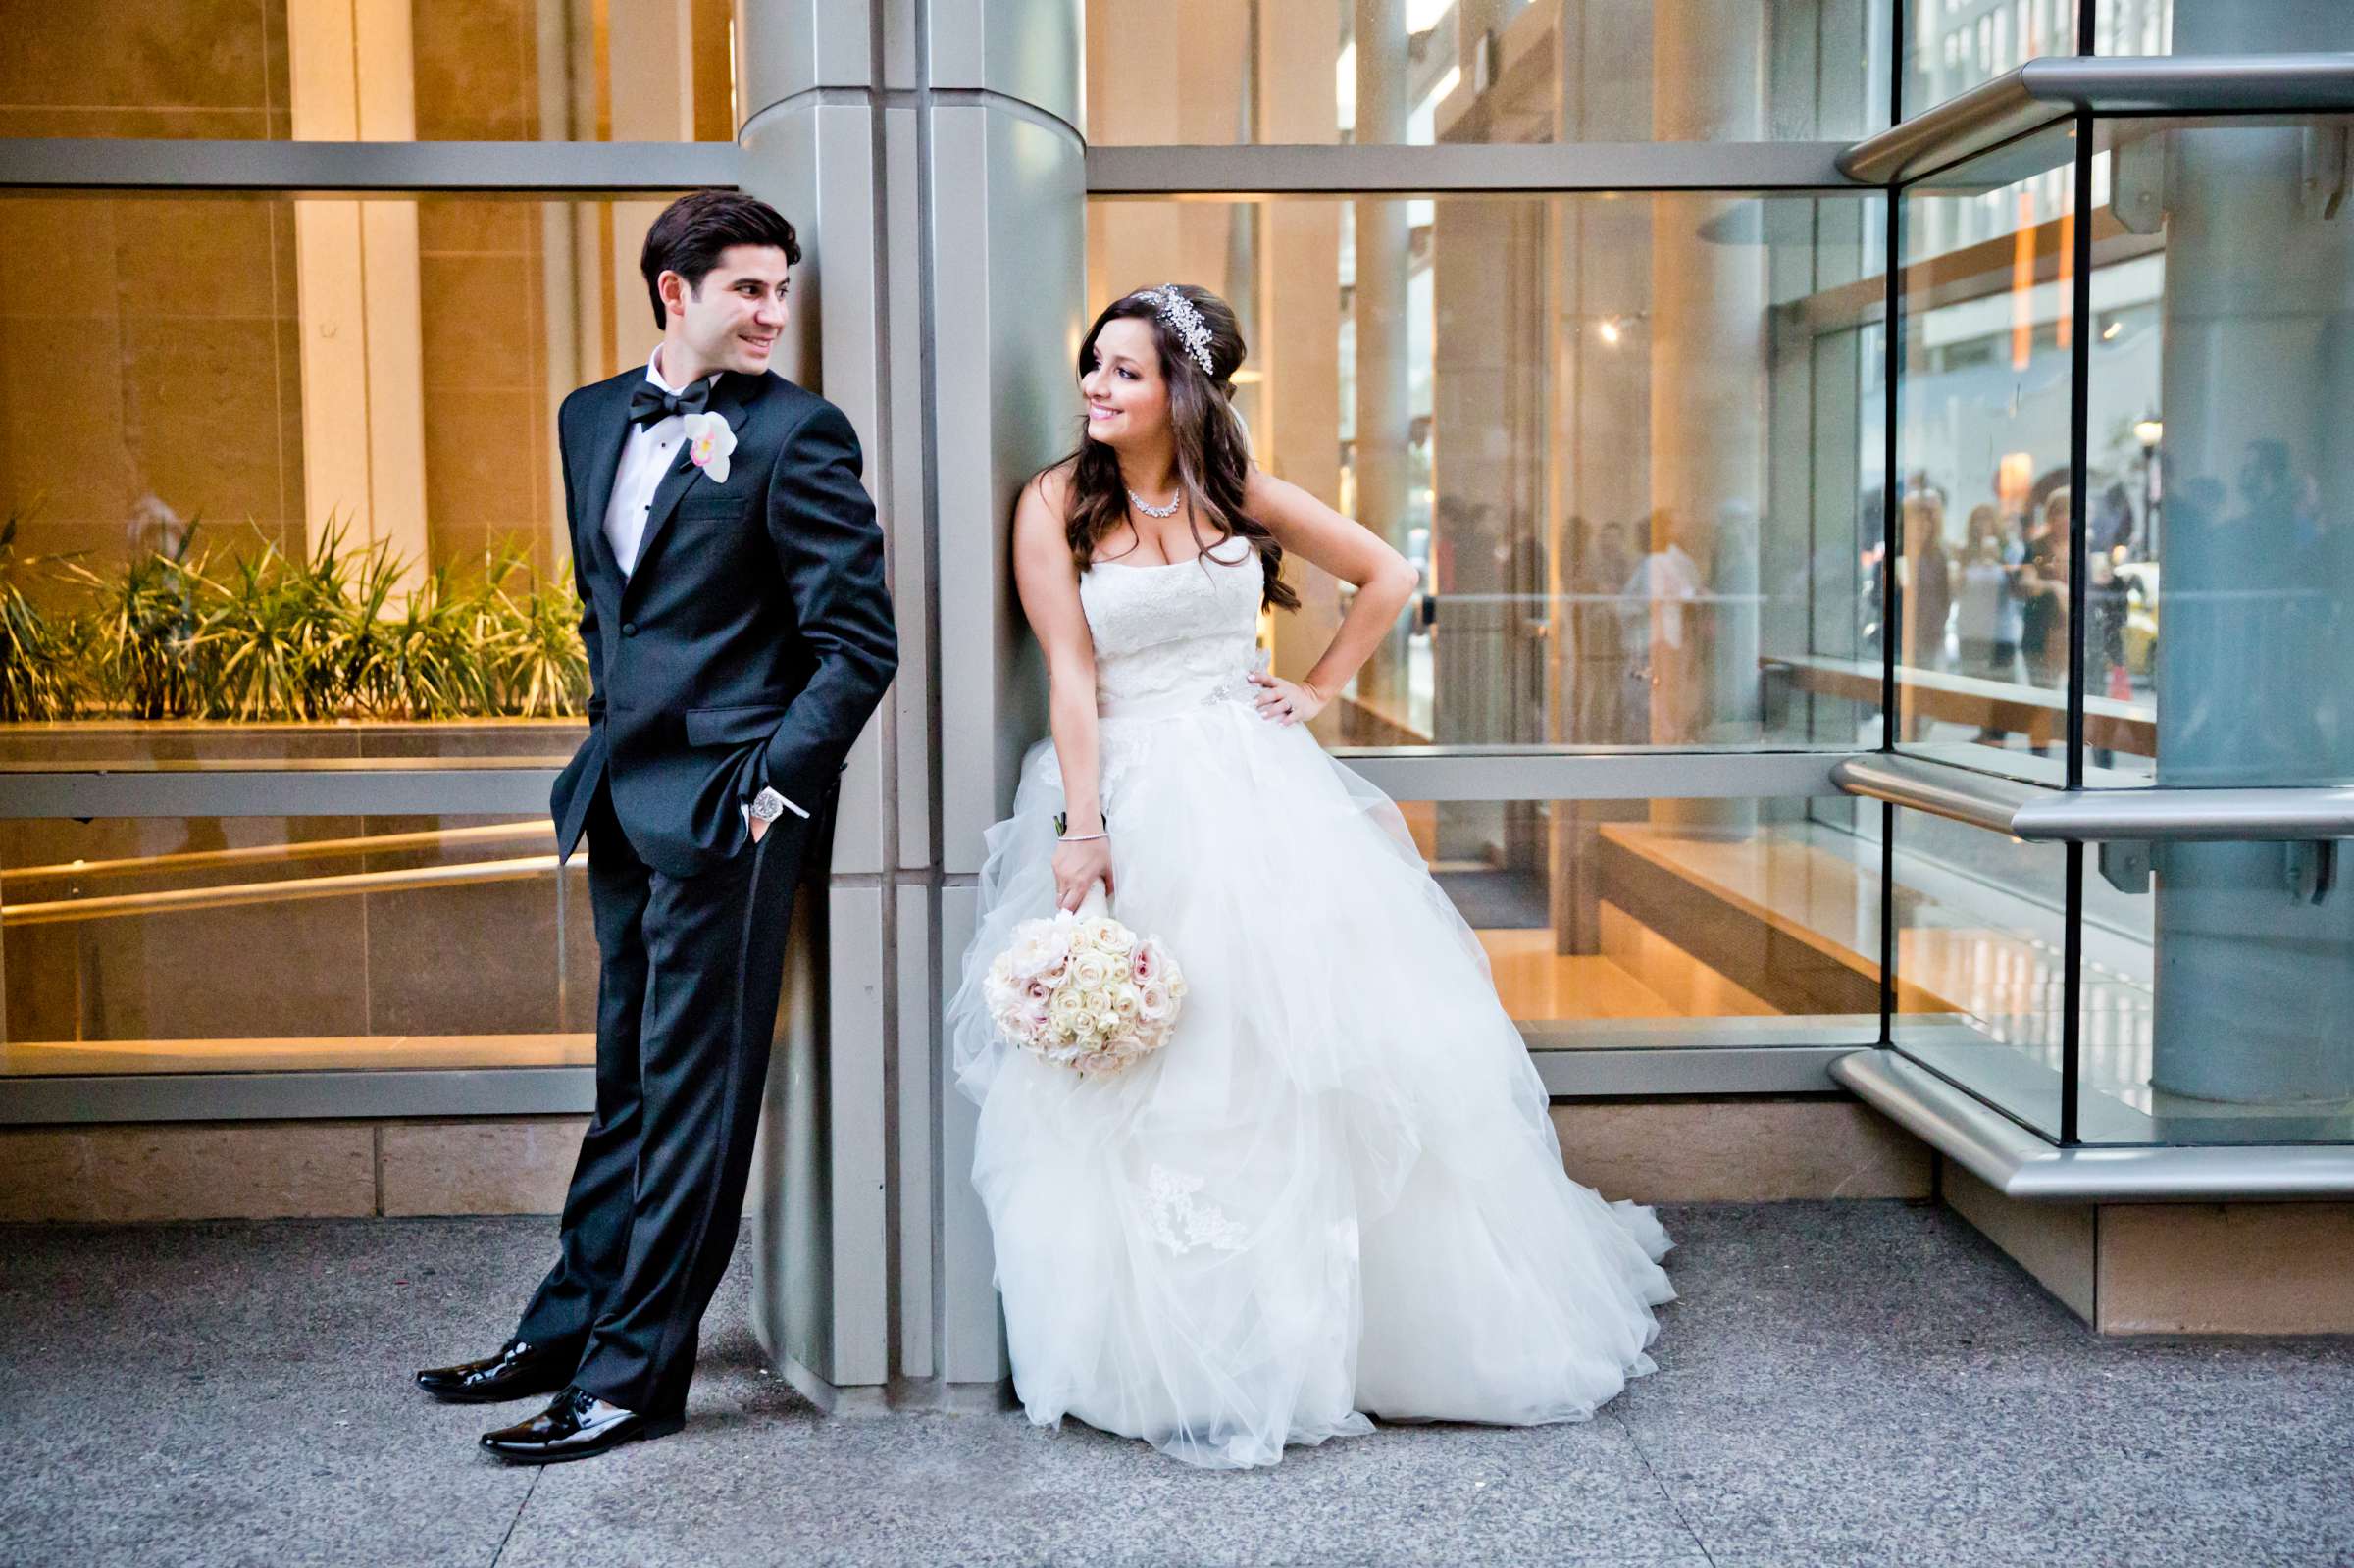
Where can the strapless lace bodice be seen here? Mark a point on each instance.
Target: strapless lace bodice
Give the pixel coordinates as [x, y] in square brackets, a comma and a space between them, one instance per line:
[1175, 636]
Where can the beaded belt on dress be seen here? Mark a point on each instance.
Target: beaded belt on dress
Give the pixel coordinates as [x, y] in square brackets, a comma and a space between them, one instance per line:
[1234, 686]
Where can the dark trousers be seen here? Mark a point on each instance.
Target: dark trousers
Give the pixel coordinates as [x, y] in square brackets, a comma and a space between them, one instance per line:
[685, 1006]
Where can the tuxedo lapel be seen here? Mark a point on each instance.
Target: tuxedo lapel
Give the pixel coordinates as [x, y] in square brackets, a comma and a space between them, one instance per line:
[609, 426]
[732, 397]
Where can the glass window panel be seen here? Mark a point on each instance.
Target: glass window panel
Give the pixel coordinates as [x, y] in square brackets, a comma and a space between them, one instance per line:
[195, 412]
[1952, 47]
[2221, 471]
[204, 945]
[1982, 448]
[1979, 962]
[2139, 26]
[1417, 72]
[1633, 444]
[2239, 1036]
[457, 71]
[1631, 922]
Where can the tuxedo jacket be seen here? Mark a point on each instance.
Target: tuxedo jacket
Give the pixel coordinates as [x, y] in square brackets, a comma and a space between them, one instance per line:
[752, 637]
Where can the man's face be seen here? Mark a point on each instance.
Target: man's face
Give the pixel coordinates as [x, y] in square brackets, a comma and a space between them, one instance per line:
[731, 322]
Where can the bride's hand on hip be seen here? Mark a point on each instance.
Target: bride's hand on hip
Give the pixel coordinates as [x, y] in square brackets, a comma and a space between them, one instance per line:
[1079, 867]
[1287, 701]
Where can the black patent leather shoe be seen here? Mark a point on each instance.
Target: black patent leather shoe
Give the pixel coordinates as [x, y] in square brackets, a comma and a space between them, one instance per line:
[520, 1371]
[577, 1425]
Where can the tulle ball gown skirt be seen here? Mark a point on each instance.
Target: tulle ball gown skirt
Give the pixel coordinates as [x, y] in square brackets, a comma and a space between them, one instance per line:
[1336, 1193]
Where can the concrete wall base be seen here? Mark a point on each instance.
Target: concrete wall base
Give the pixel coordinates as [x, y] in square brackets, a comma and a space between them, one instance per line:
[2176, 1268]
[1730, 1149]
[285, 1170]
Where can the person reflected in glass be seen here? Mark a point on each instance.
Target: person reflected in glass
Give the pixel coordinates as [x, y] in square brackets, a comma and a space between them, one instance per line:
[2110, 531]
[1600, 672]
[1986, 617]
[1926, 594]
[1661, 635]
[2043, 595]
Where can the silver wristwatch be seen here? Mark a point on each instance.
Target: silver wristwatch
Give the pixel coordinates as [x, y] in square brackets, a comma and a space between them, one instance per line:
[768, 805]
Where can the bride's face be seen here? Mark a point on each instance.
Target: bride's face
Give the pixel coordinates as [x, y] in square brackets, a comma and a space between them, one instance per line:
[1127, 400]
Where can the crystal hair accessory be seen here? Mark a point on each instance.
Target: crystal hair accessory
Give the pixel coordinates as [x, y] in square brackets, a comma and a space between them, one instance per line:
[1182, 317]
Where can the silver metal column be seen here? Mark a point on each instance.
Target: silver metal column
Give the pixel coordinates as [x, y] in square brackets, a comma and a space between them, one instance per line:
[1384, 414]
[2253, 992]
[930, 155]
[1707, 394]
[1007, 248]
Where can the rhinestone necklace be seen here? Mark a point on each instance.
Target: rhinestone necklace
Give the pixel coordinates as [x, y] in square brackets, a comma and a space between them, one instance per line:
[1149, 510]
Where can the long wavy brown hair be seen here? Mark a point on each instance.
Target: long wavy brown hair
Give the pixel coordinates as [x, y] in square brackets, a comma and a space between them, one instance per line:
[1213, 453]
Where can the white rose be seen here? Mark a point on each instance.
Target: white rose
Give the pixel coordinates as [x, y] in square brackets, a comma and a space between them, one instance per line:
[1154, 1002]
[1066, 1006]
[1107, 935]
[1089, 971]
[1123, 1000]
[1038, 946]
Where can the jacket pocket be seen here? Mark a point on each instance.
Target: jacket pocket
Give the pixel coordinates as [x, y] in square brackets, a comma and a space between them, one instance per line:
[715, 508]
[731, 727]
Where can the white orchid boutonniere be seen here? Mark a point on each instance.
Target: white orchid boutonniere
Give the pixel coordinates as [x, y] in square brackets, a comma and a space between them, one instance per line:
[709, 441]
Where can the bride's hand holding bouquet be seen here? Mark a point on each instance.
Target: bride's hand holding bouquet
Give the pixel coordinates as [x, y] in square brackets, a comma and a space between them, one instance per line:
[1082, 859]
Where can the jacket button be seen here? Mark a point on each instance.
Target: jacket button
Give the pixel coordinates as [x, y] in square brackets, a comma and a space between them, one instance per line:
[629, 629]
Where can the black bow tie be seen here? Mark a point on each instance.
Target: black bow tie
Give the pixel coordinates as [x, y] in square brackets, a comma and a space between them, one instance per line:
[649, 403]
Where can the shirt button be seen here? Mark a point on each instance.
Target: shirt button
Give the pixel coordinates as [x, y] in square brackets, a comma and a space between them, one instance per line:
[629, 629]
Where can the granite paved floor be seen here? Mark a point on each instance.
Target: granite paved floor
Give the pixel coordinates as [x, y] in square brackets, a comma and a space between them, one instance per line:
[1842, 1382]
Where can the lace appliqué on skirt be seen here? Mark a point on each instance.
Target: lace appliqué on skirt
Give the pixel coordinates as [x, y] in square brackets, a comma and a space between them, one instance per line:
[1180, 1224]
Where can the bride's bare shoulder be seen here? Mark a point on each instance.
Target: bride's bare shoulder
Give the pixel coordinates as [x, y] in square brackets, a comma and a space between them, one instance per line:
[1042, 516]
[1044, 508]
[1052, 486]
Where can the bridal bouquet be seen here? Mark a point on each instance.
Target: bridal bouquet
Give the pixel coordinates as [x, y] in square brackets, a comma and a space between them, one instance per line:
[1085, 991]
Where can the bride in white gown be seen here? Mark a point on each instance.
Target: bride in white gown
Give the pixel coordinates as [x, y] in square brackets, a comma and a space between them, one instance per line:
[1336, 1191]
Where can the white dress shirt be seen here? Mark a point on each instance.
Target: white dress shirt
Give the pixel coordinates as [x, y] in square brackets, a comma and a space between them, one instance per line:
[646, 454]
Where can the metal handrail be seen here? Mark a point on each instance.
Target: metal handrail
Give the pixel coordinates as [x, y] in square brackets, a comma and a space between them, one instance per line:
[1936, 788]
[2038, 815]
[553, 168]
[2045, 91]
[2019, 1164]
[233, 895]
[2181, 816]
[432, 839]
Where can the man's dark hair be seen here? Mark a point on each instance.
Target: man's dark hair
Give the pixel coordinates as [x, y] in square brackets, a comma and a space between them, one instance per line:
[692, 231]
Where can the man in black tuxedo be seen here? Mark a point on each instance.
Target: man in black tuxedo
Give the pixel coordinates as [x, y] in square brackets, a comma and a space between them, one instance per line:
[738, 635]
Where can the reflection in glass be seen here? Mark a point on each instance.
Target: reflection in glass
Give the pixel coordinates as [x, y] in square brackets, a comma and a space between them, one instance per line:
[2244, 477]
[2237, 1035]
[1399, 71]
[423, 71]
[1953, 45]
[208, 945]
[1982, 572]
[1620, 436]
[1980, 962]
[304, 423]
[1624, 923]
